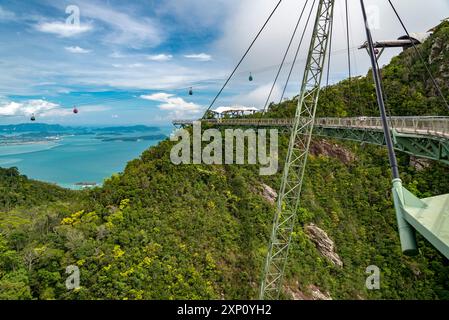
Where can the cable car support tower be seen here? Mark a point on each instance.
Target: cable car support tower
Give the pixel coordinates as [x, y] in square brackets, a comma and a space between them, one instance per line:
[291, 185]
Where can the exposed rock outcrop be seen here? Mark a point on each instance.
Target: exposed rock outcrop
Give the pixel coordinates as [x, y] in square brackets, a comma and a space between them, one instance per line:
[325, 148]
[317, 294]
[269, 193]
[419, 163]
[435, 51]
[323, 243]
[438, 54]
[313, 293]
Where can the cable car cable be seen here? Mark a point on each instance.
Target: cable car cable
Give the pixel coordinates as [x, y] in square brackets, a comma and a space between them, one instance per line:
[331, 34]
[380, 98]
[297, 52]
[349, 55]
[284, 57]
[244, 56]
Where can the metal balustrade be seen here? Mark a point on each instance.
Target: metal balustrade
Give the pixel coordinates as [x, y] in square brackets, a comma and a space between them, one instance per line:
[433, 126]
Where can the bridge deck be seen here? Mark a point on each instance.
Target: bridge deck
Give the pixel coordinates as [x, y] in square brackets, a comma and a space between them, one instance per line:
[424, 137]
[423, 126]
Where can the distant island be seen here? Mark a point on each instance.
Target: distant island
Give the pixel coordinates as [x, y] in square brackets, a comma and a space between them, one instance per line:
[39, 132]
[52, 128]
[86, 184]
[138, 138]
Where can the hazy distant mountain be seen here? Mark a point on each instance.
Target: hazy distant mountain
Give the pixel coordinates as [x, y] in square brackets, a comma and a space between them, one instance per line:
[34, 127]
[138, 128]
[56, 128]
[37, 132]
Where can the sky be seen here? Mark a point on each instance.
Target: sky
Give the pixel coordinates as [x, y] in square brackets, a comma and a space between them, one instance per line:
[133, 62]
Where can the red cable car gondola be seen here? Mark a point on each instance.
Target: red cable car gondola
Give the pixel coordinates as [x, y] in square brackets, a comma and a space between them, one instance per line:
[75, 110]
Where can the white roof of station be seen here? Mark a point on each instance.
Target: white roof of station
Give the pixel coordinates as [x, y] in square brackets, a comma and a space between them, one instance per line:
[234, 108]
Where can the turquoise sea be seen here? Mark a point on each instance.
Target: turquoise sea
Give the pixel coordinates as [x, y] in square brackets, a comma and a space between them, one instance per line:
[73, 159]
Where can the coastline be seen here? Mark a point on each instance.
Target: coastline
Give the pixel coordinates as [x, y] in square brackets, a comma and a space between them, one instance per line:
[75, 162]
[21, 143]
[13, 148]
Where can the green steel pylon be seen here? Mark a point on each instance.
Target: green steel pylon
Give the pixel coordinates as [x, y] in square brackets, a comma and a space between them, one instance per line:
[429, 216]
[290, 191]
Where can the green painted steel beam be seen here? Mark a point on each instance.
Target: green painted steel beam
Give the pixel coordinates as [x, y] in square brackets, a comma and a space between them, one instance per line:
[289, 198]
[429, 216]
[429, 147]
[422, 146]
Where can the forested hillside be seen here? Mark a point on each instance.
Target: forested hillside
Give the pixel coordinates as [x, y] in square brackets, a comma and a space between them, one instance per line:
[160, 231]
[408, 88]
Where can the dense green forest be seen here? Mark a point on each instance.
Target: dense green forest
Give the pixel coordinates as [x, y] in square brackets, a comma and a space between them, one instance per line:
[161, 231]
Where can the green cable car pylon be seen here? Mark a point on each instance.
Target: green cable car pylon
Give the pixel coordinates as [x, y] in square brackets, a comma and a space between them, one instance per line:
[290, 191]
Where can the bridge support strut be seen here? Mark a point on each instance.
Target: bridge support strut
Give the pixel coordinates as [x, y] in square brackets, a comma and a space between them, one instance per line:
[291, 185]
[406, 232]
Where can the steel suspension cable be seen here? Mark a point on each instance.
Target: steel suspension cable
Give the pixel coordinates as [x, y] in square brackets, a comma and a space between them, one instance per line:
[331, 34]
[284, 57]
[387, 104]
[297, 52]
[348, 52]
[380, 97]
[353, 61]
[243, 58]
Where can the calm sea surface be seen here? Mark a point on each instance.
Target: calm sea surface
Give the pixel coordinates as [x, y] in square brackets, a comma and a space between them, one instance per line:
[73, 159]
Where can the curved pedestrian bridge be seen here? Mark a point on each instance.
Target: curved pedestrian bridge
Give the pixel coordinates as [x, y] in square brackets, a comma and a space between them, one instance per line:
[424, 137]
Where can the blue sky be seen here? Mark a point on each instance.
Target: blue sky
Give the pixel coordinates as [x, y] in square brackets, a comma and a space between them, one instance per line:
[132, 62]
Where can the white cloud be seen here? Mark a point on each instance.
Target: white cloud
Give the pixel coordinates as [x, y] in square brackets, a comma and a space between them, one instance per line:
[23, 72]
[135, 65]
[196, 14]
[117, 55]
[199, 57]
[56, 113]
[250, 15]
[26, 108]
[43, 109]
[177, 107]
[160, 57]
[68, 112]
[258, 97]
[128, 66]
[6, 15]
[76, 50]
[129, 30]
[161, 96]
[62, 29]
[64, 91]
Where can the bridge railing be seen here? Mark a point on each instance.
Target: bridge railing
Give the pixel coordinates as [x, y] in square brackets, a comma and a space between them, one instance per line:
[420, 125]
[436, 126]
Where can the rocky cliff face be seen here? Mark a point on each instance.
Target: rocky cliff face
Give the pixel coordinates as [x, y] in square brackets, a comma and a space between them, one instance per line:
[439, 52]
[269, 193]
[333, 150]
[323, 243]
[312, 292]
